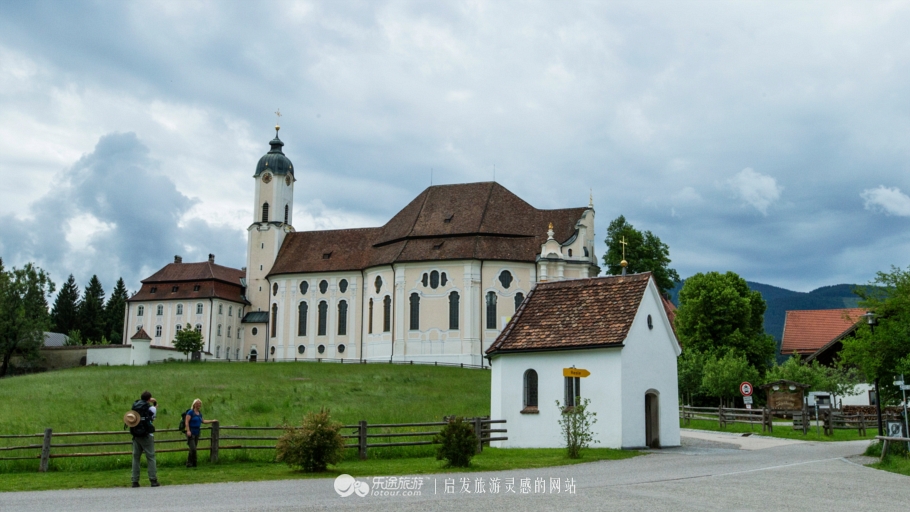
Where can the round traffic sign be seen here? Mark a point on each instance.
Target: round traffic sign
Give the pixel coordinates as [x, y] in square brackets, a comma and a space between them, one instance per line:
[746, 389]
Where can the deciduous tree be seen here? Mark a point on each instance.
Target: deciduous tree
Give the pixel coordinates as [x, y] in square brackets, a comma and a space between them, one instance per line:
[188, 340]
[23, 312]
[643, 250]
[724, 375]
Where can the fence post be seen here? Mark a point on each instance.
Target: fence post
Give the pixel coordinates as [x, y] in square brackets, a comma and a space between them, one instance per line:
[216, 437]
[362, 440]
[862, 424]
[45, 451]
[720, 416]
[478, 430]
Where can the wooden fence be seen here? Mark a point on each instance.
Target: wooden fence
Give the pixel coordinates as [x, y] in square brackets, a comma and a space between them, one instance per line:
[273, 359]
[240, 438]
[828, 419]
[723, 415]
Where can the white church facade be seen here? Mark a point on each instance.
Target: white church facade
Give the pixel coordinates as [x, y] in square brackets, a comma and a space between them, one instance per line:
[438, 282]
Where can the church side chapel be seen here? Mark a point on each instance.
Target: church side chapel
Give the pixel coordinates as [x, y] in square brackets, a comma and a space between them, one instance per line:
[436, 283]
[607, 339]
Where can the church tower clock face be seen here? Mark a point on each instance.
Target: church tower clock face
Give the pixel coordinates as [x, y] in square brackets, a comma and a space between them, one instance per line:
[266, 178]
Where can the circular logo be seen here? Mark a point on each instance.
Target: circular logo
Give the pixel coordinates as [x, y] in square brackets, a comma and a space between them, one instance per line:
[344, 485]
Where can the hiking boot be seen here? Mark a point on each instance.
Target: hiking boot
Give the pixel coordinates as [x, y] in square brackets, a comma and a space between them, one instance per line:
[135, 484]
[154, 483]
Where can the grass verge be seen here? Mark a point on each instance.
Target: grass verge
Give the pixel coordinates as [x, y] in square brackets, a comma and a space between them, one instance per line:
[783, 432]
[492, 459]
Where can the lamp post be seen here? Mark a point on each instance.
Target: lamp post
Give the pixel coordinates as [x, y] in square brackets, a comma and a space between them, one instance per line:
[870, 319]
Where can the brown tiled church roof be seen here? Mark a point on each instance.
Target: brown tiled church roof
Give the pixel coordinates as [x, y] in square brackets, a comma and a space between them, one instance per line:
[213, 281]
[578, 313]
[445, 222]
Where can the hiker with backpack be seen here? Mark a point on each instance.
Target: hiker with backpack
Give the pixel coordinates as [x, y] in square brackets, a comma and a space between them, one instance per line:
[139, 420]
[192, 423]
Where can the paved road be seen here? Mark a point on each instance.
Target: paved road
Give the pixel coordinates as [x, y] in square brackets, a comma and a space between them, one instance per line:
[710, 472]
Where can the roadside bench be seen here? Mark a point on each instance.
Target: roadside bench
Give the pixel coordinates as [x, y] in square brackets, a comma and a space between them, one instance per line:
[885, 440]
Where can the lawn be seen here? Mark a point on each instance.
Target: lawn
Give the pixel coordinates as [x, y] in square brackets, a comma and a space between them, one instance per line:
[262, 394]
[492, 459]
[782, 431]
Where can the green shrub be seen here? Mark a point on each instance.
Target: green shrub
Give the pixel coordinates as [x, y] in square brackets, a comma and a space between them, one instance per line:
[313, 446]
[576, 425]
[458, 443]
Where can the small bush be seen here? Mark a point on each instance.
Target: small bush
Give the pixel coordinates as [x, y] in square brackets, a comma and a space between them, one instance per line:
[458, 443]
[313, 446]
[576, 425]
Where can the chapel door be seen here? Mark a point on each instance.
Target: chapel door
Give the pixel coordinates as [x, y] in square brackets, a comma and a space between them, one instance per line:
[652, 420]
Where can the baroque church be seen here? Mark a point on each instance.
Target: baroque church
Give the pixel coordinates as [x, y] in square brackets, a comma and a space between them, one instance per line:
[438, 282]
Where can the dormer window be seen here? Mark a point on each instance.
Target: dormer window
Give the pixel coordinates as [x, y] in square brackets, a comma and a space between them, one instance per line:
[154, 289]
[196, 288]
[438, 246]
[448, 220]
[174, 289]
[326, 255]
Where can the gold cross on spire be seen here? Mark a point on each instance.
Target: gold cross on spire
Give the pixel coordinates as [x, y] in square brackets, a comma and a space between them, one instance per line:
[278, 120]
[623, 243]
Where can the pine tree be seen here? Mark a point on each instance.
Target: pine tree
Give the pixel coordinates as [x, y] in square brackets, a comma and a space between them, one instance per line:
[91, 312]
[114, 311]
[65, 315]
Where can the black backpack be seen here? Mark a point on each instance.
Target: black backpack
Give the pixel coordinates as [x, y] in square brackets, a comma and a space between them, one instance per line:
[145, 427]
[183, 416]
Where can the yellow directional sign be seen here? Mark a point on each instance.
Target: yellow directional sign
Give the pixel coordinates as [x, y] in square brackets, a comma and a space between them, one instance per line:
[575, 372]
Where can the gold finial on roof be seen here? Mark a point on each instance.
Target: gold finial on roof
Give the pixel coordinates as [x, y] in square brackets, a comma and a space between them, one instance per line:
[551, 226]
[277, 120]
[623, 242]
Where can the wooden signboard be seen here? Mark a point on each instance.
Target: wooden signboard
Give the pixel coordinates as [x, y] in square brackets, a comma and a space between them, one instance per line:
[784, 400]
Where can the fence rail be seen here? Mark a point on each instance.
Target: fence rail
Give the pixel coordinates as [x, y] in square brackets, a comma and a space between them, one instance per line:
[829, 419]
[336, 361]
[220, 438]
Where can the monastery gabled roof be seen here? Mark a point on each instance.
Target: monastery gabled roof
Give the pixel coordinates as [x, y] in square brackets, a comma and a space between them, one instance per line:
[578, 313]
[212, 280]
[445, 222]
[806, 331]
[175, 272]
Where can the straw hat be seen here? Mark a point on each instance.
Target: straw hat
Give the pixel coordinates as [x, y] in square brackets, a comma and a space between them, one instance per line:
[131, 418]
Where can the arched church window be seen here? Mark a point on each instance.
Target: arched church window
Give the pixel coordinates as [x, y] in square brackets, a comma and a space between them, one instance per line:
[491, 310]
[454, 300]
[443, 279]
[370, 319]
[265, 212]
[219, 329]
[425, 280]
[285, 214]
[323, 286]
[323, 315]
[519, 298]
[343, 318]
[387, 314]
[343, 286]
[505, 278]
[434, 279]
[378, 284]
[229, 331]
[304, 286]
[415, 312]
[301, 318]
[530, 391]
[274, 290]
[274, 320]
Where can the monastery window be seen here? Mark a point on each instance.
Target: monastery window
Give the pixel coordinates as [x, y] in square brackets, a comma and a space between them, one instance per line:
[179, 328]
[491, 310]
[196, 288]
[505, 278]
[519, 298]
[343, 286]
[454, 299]
[425, 280]
[157, 331]
[301, 349]
[199, 328]
[140, 311]
[220, 309]
[530, 392]
[198, 308]
[415, 312]
[370, 320]
[230, 310]
[154, 289]
[343, 318]
[179, 309]
[274, 291]
[321, 349]
[387, 314]
[229, 331]
[219, 329]
[323, 314]
[341, 349]
[304, 286]
[443, 279]
[265, 212]
[237, 353]
[286, 214]
[378, 284]
[573, 391]
[160, 310]
[434, 279]
[218, 352]
[323, 286]
[174, 289]
[302, 310]
[274, 320]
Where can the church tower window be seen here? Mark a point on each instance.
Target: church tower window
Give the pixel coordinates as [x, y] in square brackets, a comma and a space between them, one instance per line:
[323, 315]
[285, 214]
[519, 298]
[415, 312]
[491, 310]
[301, 318]
[387, 314]
[343, 318]
[274, 320]
[454, 299]
[265, 212]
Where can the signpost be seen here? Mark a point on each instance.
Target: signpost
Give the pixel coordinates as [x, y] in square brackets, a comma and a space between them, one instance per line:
[746, 389]
[904, 387]
[575, 372]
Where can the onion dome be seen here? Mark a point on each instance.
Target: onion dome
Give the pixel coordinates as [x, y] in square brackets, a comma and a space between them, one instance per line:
[275, 161]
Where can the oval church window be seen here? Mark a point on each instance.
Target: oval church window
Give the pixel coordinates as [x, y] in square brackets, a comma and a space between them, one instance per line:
[505, 278]
[304, 286]
[323, 286]
[343, 285]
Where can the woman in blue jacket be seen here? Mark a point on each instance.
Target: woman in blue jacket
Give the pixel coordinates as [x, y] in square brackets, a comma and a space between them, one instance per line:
[193, 424]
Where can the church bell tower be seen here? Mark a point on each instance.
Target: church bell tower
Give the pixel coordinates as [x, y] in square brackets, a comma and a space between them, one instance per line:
[273, 204]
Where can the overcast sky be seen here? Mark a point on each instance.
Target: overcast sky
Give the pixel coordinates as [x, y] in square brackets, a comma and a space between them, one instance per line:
[770, 139]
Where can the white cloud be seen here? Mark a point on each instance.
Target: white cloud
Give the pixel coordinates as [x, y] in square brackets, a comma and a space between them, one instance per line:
[888, 200]
[759, 190]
